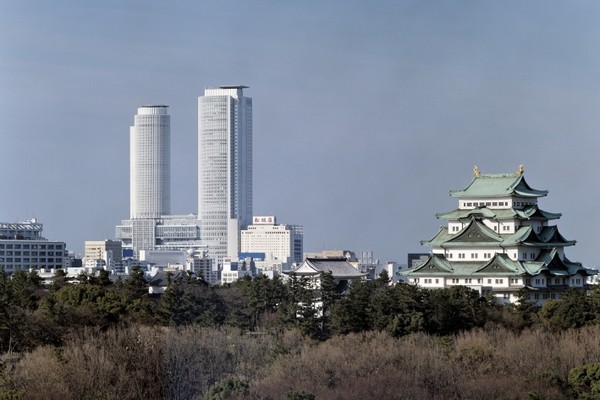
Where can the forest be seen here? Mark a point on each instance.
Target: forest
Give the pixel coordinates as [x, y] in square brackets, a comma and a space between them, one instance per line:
[266, 339]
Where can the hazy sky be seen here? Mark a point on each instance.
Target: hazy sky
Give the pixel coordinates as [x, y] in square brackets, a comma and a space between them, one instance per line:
[366, 113]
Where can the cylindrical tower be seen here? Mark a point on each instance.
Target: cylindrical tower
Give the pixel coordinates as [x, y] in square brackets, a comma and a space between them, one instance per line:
[150, 163]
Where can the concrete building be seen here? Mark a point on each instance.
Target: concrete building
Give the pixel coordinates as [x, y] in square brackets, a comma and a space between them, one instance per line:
[281, 244]
[498, 241]
[169, 232]
[23, 247]
[150, 226]
[150, 163]
[108, 251]
[233, 270]
[224, 168]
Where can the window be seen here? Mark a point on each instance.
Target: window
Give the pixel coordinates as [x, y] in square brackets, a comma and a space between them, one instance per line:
[449, 255]
[473, 255]
[536, 296]
[437, 280]
[479, 280]
[489, 281]
[468, 280]
[427, 280]
[499, 281]
[455, 280]
[532, 256]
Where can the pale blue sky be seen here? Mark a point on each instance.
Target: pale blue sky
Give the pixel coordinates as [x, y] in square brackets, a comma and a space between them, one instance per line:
[365, 113]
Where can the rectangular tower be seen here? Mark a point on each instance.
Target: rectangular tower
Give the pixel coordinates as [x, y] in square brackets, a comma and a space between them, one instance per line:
[224, 168]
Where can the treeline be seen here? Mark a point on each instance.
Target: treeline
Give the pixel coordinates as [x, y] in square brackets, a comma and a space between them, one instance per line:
[101, 339]
[33, 314]
[150, 362]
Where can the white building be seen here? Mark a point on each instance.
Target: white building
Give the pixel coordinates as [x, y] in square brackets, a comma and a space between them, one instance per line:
[169, 232]
[150, 226]
[233, 270]
[224, 168]
[281, 244]
[150, 163]
[22, 247]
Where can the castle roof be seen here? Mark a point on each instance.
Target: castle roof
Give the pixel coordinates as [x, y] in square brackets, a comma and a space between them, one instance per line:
[500, 265]
[528, 213]
[477, 234]
[498, 186]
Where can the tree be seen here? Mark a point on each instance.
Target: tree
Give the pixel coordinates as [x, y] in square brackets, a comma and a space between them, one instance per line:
[136, 284]
[353, 313]
[572, 310]
[226, 388]
[453, 309]
[585, 380]
[26, 289]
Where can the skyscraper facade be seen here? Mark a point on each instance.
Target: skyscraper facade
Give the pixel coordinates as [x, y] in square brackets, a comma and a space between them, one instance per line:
[150, 163]
[224, 168]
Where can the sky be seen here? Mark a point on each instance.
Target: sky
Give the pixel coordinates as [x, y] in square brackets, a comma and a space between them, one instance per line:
[365, 113]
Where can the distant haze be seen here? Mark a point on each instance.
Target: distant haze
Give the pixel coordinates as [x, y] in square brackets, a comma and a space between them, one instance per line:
[365, 113]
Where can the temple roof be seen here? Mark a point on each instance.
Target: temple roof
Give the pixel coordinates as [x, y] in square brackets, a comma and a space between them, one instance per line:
[498, 186]
[529, 213]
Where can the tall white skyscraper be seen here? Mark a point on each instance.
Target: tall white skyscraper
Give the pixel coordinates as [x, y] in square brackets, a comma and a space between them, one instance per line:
[224, 168]
[150, 163]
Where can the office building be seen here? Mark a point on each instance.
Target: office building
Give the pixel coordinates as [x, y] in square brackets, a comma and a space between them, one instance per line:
[224, 168]
[105, 253]
[150, 226]
[169, 232]
[281, 244]
[150, 163]
[499, 242]
[23, 247]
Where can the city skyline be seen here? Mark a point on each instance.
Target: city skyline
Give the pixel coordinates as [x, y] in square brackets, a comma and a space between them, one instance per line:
[364, 114]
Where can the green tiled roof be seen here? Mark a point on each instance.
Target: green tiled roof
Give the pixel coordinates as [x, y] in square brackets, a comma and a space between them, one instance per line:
[529, 213]
[478, 235]
[497, 186]
[500, 265]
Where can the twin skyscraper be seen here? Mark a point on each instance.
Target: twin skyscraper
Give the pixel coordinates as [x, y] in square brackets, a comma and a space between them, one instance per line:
[224, 178]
